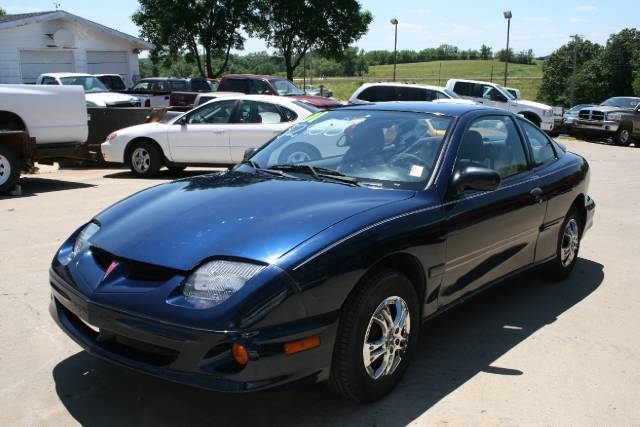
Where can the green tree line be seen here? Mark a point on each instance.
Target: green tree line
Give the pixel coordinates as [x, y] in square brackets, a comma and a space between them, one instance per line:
[601, 71]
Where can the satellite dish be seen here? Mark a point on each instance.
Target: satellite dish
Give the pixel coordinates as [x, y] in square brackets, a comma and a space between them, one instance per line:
[64, 38]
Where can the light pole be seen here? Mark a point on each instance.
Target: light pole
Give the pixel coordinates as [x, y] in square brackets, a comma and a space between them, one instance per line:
[394, 22]
[576, 39]
[507, 15]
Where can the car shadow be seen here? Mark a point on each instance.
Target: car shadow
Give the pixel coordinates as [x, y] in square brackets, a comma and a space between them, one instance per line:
[452, 349]
[32, 186]
[164, 174]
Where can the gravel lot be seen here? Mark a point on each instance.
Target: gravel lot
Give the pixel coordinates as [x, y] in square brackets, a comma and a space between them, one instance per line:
[527, 353]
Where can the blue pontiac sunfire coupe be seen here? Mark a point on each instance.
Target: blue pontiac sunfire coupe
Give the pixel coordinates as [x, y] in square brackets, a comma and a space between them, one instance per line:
[320, 257]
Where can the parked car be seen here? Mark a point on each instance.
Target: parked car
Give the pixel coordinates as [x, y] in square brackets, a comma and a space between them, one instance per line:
[154, 92]
[39, 123]
[216, 133]
[113, 82]
[272, 85]
[96, 94]
[322, 270]
[386, 92]
[184, 100]
[617, 118]
[570, 116]
[494, 95]
[318, 91]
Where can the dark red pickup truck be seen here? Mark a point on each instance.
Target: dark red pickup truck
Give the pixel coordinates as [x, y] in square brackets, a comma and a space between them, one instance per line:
[272, 85]
[183, 100]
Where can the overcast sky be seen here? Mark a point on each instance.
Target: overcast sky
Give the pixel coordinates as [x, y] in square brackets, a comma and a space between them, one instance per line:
[541, 25]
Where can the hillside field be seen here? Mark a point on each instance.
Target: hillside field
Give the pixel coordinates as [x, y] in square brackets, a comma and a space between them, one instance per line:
[527, 78]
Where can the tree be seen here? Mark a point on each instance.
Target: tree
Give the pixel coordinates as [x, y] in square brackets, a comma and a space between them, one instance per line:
[621, 58]
[181, 28]
[502, 55]
[636, 83]
[557, 73]
[2, 12]
[486, 52]
[295, 26]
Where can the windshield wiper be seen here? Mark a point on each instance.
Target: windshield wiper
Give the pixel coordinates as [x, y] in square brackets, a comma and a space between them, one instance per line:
[269, 171]
[318, 173]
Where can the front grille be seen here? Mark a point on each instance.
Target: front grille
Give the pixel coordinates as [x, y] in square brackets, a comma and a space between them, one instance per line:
[591, 115]
[134, 270]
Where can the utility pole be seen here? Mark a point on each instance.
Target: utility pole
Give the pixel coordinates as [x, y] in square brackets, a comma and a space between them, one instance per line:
[507, 15]
[576, 39]
[394, 22]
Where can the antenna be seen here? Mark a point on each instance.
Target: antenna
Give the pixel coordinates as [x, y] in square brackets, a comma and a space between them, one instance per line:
[56, 5]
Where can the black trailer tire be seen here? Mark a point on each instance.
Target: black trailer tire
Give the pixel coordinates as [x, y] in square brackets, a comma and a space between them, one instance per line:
[10, 167]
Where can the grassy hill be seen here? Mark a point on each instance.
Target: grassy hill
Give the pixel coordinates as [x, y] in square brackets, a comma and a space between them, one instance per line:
[527, 78]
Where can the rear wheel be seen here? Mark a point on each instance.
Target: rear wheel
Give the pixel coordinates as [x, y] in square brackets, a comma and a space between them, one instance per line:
[376, 337]
[10, 166]
[623, 136]
[145, 159]
[567, 248]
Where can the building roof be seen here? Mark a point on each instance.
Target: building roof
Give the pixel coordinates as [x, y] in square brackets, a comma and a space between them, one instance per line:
[18, 20]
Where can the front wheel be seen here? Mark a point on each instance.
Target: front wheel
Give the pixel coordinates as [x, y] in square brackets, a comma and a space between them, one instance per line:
[10, 166]
[376, 337]
[567, 248]
[299, 152]
[145, 159]
[623, 136]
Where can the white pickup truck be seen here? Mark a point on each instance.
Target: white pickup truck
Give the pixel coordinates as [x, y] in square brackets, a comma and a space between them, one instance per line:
[494, 95]
[40, 123]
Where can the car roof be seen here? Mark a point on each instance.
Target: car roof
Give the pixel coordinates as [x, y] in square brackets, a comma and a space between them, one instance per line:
[282, 100]
[251, 76]
[395, 84]
[448, 109]
[473, 81]
[66, 75]
[161, 79]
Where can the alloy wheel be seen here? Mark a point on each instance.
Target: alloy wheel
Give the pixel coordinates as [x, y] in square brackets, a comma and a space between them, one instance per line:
[298, 157]
[5, 169]
[570, 242]
[141, 160]
[386, 338]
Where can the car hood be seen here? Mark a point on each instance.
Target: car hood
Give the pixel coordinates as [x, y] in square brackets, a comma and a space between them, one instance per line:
[231, 214]
[532, 104]
[607, 108]
[145, 129]
[107, 98]
[318, 101]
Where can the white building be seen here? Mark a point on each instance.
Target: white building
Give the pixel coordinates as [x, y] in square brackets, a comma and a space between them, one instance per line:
[58, 41]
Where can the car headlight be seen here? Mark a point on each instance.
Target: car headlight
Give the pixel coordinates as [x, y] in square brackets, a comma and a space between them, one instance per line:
[547, 113]
[615, 117]
[112, 136]
[82, 241]
[217, 280]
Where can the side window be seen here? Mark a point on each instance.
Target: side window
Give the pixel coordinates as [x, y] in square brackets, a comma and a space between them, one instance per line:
[178, 85]
[49, 81]
[377, 94]
[410, 94]
[259, 87]
[440, 95]
[246, 112]
[268, 113]
[430, 95]
[463, 88]
[493, 142]
[214, 113]
[541, 147]
[142, 87]
[289, 115]
[236, 85]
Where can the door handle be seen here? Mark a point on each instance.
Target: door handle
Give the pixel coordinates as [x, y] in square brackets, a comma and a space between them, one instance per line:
[536, 194]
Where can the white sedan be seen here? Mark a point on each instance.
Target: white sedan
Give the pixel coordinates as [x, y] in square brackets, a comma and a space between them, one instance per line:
[216, 133]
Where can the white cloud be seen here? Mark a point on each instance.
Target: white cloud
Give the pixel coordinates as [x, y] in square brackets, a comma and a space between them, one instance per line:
[586, 8]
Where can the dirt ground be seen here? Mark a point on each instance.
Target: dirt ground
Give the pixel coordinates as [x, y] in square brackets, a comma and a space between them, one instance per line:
[525, 353]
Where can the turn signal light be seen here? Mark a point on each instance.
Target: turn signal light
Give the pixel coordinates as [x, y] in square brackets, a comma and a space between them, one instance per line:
[301, 345]
[240, 354]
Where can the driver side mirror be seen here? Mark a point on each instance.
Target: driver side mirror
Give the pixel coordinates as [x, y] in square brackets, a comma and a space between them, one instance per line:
[248, 152]
[475, 178]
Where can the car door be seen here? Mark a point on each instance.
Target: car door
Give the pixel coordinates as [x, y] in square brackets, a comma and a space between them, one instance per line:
[491, 234]
[255, 123]
[202, 135]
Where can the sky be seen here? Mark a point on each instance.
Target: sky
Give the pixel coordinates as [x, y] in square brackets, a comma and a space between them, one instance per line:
[541, 25]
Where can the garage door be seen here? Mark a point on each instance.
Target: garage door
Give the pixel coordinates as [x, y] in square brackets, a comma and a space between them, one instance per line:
[108, 62]
[36, 62]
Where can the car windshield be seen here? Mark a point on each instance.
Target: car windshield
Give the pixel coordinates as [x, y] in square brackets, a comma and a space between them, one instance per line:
[452, 94]
[286, 88]
[622, 101]
[506, 93]
[90, 84]
[387, 149]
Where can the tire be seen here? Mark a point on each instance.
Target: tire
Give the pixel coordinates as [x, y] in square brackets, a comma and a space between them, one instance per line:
[10, 166]
[145, 159]
[623, 136]
[349, 376]
[298, 153]
[568, 239]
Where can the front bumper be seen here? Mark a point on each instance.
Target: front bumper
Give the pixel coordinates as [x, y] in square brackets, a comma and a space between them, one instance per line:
[547, 124]
[112, 152]
[193, 356]
[595, 127]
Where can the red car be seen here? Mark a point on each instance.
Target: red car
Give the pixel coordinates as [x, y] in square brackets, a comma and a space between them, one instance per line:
[272, 85]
